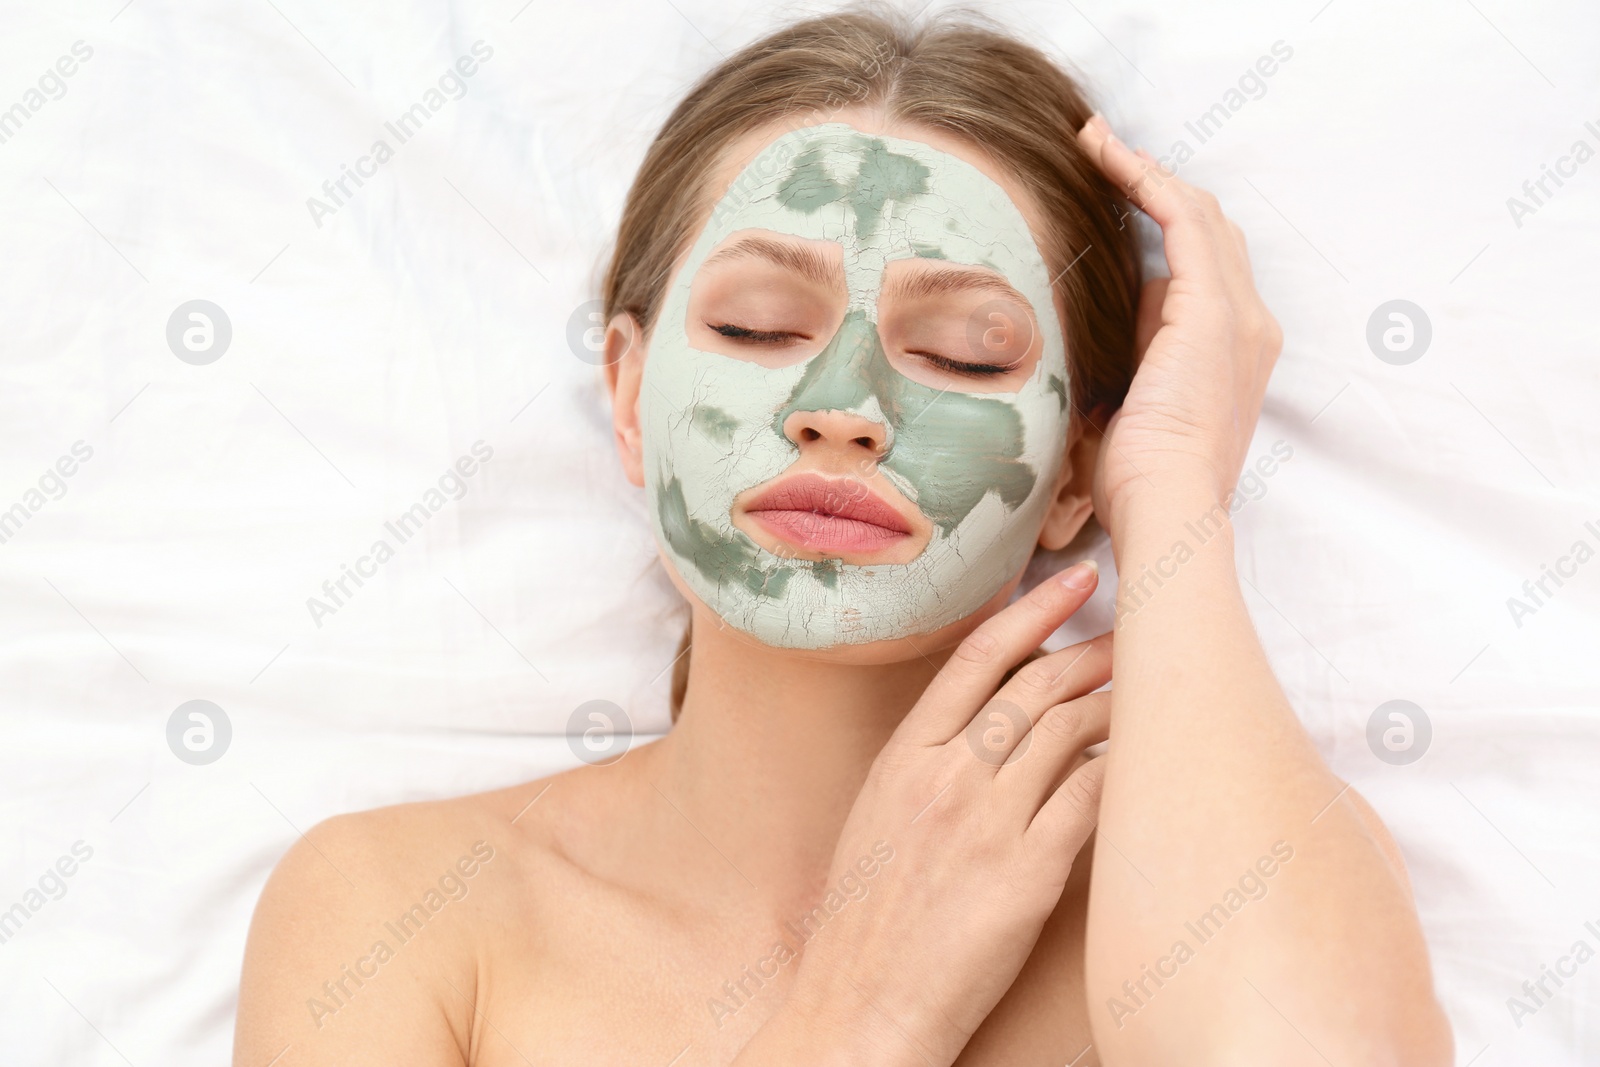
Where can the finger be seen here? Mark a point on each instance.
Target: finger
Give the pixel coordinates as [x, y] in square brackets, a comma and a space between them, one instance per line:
[973, 672]
[1002, 725]
[1201, 243]
[1155, 163]
[1048, 752]
[1067, 819]
[1235, 258]
[1156, 190]
[1064, 675]
[1190, 219]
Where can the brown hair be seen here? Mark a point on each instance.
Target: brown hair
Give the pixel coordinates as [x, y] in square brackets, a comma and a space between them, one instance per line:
[955, 72]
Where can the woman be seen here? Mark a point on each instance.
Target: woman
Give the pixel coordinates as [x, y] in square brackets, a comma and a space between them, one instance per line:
[872, 302]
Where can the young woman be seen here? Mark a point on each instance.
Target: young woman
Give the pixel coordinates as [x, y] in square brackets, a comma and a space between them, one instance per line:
[872, 303]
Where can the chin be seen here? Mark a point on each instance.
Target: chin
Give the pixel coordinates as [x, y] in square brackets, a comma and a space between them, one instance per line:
[916, 646]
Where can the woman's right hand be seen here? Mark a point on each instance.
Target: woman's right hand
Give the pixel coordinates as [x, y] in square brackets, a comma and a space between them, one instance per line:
[972, 794]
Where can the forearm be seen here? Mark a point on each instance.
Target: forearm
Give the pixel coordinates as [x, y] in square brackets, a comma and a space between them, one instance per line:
[1209, 772]
[815, 1029]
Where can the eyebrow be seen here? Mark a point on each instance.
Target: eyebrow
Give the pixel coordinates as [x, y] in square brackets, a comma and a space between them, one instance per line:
[947, 281]
[804, 260]
[811, 264]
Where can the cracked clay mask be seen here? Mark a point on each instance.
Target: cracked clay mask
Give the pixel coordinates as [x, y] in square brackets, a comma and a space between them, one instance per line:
[980, 466]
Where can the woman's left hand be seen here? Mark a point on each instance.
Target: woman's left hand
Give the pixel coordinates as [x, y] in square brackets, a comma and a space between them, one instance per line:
[1207, 342]
[1210, 765]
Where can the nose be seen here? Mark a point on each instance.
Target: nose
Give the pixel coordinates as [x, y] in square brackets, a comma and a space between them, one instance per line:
[841, 431]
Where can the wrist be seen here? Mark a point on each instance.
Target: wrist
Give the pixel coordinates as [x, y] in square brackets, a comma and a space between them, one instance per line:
[1168, 505]
[1173, 554]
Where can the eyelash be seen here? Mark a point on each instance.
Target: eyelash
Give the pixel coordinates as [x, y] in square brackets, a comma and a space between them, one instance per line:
[973, 370]
[744, 333]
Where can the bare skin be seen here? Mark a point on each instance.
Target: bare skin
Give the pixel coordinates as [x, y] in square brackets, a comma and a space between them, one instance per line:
[620, 899]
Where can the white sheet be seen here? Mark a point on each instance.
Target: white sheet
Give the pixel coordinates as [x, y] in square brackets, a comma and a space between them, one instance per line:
[430, 311]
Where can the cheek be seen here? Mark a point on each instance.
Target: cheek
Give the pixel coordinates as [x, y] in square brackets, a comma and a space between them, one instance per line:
[715, 424]
[959, 448]
[707, 419]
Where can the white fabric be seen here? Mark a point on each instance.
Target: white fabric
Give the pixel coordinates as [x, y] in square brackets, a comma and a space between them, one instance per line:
[431, 311]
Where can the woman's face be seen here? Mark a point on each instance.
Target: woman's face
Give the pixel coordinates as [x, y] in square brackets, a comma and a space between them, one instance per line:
[854, 403]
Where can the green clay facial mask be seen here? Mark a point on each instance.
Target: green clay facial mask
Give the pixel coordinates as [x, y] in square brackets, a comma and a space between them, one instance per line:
[980, 466]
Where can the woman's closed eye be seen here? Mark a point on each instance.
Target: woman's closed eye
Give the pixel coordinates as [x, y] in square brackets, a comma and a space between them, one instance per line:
[975, 370]
[749, 335]
[754, 336]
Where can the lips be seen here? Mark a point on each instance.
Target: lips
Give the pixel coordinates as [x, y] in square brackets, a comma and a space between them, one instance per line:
[828, 514]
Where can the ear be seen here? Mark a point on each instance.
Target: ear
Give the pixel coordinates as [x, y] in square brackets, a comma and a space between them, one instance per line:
[1074, 499]
[624, 365]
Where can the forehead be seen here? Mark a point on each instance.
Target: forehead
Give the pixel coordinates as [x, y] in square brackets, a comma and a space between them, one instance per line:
[882, 197]
[894, 191]
[740, 153]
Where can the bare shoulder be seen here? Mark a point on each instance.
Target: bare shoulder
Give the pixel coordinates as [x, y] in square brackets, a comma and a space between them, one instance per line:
[1382, 837]
[365, 944]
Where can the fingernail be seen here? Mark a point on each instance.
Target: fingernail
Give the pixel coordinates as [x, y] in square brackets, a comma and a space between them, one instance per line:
[1080, 575]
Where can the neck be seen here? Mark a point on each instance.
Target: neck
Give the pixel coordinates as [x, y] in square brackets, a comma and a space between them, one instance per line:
[771, 747]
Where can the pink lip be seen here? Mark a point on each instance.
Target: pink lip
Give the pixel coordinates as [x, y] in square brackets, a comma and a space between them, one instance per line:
[828, 515]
